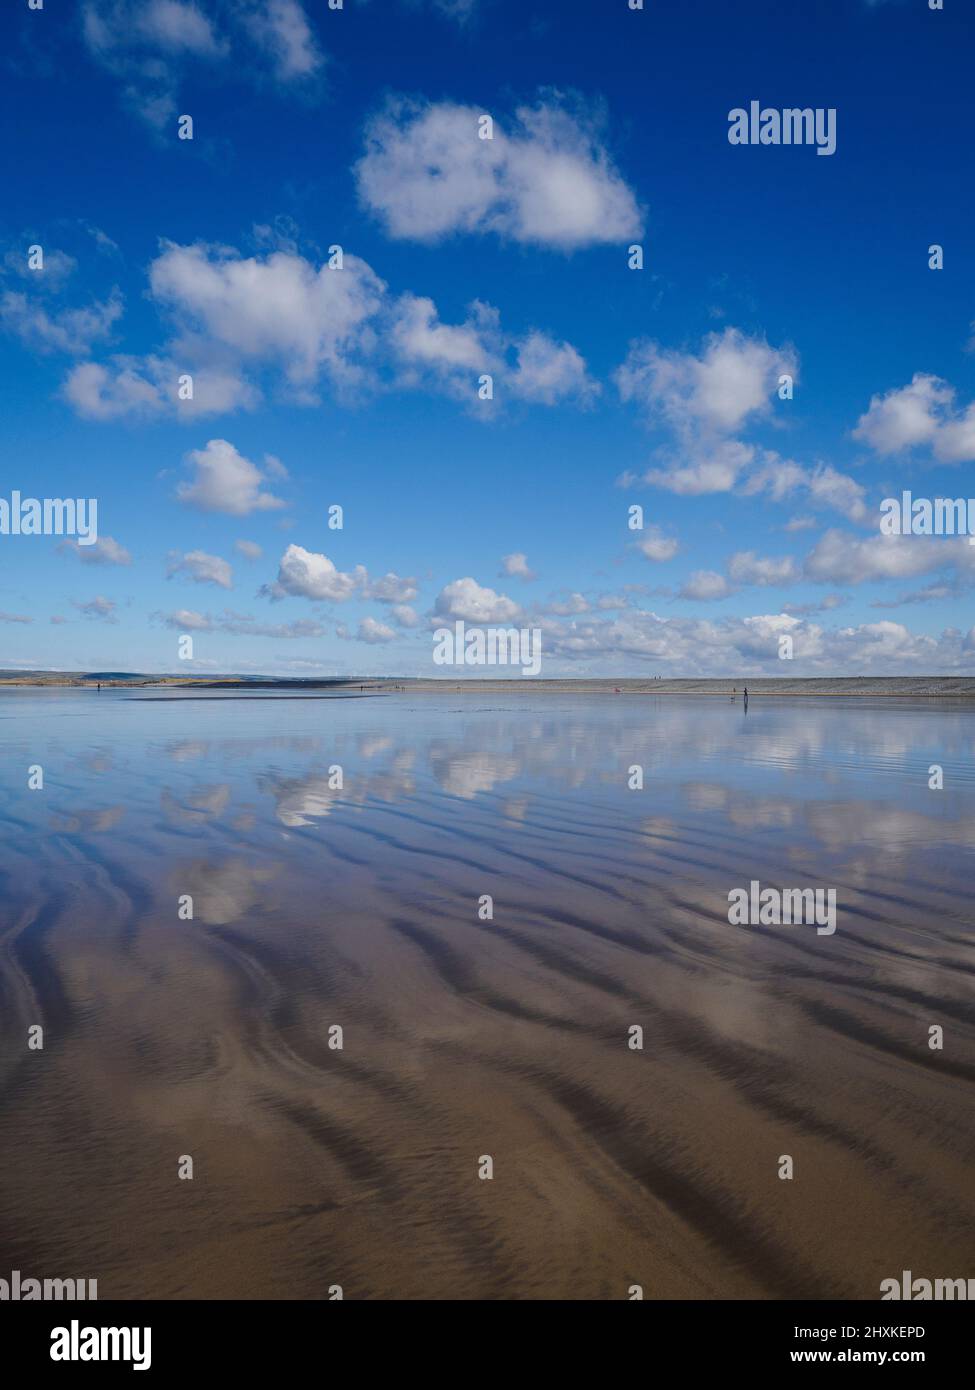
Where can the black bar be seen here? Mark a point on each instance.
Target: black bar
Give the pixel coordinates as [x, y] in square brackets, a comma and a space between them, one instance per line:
[256, 1338]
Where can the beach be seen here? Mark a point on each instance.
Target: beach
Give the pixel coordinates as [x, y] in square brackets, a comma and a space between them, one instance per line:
[359, 907]
[876, 687]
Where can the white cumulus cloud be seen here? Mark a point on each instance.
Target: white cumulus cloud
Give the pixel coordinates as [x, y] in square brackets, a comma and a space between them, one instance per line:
[309, 574]
[226, 481]
[714, 391]
[474, 603]
[545, 178]
[278, 307]
[921, 413]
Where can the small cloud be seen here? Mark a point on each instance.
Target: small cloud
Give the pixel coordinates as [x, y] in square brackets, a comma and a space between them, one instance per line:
[474, 603]
[105, 551]
[746, 567]
[201, 568]
[226, 482]
[69, 331]
[373, 632]
[147, 387]
[921, 413]
[706, 585]
[516, 565]
[656, 546]
[102, 240]
[824, 605]
[716, 469]
[391, 589]
[187, 620]
[58, 267]
[308, 574]
[238, 625]
[99, 607]
[567, 605]
[549, 372]
[545, 178]
[404, 616]
[153, 46]
[824, 485]
[711, 393]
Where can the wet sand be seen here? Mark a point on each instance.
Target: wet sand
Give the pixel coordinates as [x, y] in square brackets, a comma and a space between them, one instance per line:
[314, 907]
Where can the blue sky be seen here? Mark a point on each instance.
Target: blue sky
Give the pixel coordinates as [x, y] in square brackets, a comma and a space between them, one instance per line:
[315, 386]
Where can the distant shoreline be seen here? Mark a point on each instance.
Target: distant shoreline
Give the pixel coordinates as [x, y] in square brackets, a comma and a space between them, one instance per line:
[917, 687]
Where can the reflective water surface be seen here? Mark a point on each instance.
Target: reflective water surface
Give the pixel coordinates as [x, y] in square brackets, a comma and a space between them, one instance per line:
[336, 851]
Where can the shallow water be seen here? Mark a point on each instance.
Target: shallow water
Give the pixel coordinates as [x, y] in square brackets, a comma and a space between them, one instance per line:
[316, 905]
